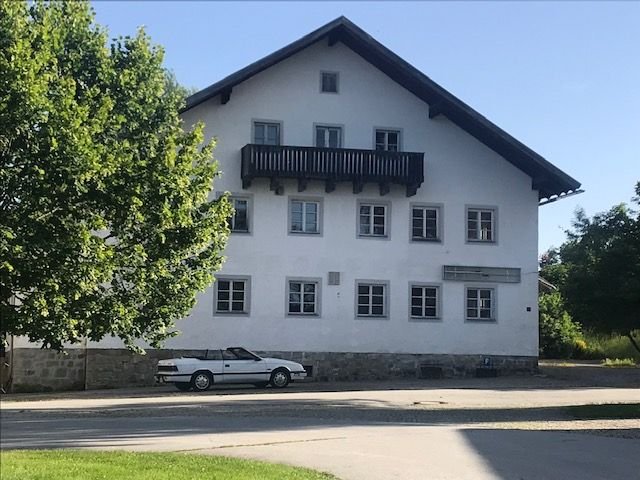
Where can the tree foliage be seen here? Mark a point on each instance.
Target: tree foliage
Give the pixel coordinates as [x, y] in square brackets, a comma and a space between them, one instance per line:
[598, 269]
[106, 226]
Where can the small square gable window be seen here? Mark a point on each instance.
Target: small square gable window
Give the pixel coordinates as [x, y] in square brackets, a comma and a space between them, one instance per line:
[329, 82]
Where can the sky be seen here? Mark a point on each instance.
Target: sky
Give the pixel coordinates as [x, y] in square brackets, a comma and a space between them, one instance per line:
[561, 77]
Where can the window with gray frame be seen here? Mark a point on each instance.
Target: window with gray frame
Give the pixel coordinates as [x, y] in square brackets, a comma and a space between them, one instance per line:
[424, 301]
[388, 140]
[481, 224]
[328, 136]
[265, 133]
[372, 220]
[239, 221]
[303, 297]
[371, 300]
[232, 295]
[329, 82]
[425, 223]
[305, 216]
[480, 303]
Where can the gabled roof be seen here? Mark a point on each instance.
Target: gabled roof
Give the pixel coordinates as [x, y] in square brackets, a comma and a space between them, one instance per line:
[549, 180]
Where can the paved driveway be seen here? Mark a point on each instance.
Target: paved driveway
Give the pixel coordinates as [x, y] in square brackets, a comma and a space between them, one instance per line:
[475, 429]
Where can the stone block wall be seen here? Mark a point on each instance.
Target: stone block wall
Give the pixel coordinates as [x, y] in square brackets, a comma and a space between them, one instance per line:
[115, 368]
[36, 370]
[336, 366]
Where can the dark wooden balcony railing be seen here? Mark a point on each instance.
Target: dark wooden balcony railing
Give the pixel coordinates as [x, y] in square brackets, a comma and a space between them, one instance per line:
[332, 165]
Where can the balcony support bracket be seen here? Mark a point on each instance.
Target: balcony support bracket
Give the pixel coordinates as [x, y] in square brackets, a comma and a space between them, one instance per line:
[329, 186]
[276, 186]
[412, 189]
[246, 182]
[302, 184]
[385, 188]
[357, 186]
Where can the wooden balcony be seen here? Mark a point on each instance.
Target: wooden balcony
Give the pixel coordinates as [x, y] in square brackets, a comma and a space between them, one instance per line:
[332, 165]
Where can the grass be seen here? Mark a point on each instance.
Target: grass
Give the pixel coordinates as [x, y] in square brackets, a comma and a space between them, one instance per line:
[619, 362]
[85, 465]
[605, 411]
[609, 346]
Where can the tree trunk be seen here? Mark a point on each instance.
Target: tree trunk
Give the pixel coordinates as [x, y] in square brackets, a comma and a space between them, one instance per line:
[633, 341]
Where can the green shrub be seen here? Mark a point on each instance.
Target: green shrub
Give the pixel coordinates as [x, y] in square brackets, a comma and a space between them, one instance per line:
[558, 332]
[580, 348]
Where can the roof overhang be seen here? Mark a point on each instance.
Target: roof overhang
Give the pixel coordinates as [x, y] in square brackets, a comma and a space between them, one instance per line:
[550, 182]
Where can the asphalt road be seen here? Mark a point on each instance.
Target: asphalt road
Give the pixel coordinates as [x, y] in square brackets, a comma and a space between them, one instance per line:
[478, 430]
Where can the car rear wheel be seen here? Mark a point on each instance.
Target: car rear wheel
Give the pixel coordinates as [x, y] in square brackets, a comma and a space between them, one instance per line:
[280, 378]
[201, 381]
[183, 386]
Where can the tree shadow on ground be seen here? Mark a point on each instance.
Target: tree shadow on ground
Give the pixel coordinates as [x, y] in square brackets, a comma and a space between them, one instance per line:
[130, 424]
[549, 455]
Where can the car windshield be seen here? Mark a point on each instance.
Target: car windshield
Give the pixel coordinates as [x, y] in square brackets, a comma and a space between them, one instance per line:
[238, 353]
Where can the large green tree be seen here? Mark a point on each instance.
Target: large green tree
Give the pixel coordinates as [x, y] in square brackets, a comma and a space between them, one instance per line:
[598, 270]
[106, 226]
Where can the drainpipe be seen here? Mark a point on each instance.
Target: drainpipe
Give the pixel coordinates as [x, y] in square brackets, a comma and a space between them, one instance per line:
[8, 362]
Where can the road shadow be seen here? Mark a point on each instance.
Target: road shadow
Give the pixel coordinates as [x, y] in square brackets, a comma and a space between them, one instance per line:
[134, 423]
[550, 455]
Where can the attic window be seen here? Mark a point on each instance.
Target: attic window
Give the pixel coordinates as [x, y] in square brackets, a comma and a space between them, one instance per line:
[329, 82]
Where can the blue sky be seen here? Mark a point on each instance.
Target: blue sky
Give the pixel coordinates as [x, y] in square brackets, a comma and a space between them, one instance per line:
[564, 78]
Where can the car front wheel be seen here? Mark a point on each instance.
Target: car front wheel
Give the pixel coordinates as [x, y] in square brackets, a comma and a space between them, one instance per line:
[201, 381]
[280, 378]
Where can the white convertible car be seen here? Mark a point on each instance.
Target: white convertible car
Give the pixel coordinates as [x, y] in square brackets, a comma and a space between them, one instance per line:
[233, 365]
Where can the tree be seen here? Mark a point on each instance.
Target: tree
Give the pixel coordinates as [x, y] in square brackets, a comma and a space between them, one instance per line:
[552, 269]
[106, 227]
[599, 270]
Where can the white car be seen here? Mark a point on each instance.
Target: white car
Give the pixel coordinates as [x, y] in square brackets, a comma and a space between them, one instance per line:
[233, 365]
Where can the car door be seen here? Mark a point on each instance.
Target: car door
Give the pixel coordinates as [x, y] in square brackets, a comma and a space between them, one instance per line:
[240, 366]
[212, 361]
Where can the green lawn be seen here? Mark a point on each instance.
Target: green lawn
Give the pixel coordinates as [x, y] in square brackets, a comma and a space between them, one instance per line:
[85, 465]
[608, 410]
[619, 362]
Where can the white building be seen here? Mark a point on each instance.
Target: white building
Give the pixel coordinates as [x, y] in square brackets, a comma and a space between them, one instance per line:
[382, 225]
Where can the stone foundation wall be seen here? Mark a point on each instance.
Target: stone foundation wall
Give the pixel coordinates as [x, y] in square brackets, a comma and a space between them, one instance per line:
[335, 366]
[36, 370]
[115, 368]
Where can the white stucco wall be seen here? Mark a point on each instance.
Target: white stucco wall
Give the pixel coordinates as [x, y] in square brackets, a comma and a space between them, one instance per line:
[459, 170]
